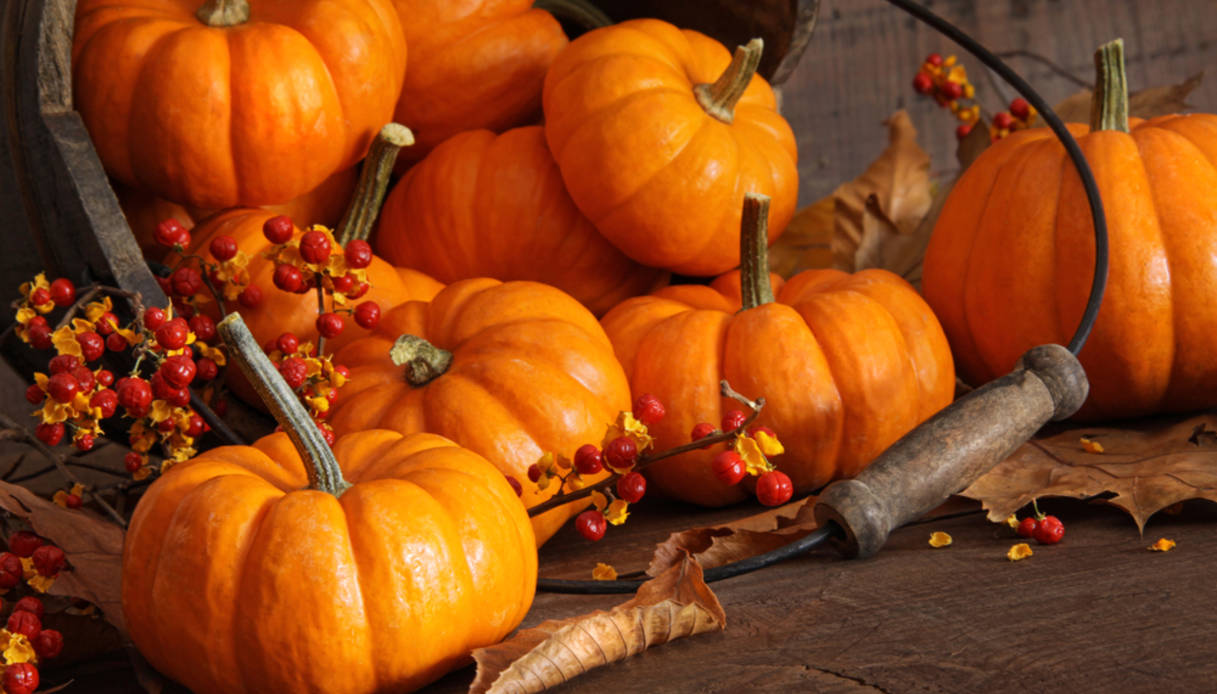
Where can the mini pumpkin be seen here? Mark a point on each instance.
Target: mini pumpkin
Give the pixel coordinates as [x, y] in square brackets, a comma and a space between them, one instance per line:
[658, 133]
[230, 102]
[510, 370]
[1011, 258]
[847, 363]
[279, 575]
[482, 205]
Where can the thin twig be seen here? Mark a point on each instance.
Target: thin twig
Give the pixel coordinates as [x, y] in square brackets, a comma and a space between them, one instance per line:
[645, 461]
[320, 313]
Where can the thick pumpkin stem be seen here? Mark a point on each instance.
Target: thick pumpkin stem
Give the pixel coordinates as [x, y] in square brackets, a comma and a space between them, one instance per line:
[319, 461]
[361, 214]
[424, 361]
[1109, 105]
[755, 287]
[720, 97]
[580, 12]
[223, 13]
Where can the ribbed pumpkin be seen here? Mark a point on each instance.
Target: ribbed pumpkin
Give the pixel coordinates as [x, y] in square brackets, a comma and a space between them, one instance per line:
[248, 569]
[509, 370]
[1010, 262]
[847, 363]
[482, 205]
[473, 64]
[239, 103]
[658, 133]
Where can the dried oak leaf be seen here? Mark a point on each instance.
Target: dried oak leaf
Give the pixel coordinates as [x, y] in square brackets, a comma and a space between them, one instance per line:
[93, 547]
[807, 241]
[1147, 103]
[1148, 465]
[673, 605]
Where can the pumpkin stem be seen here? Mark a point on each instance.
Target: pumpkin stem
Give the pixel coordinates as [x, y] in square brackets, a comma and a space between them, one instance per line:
[369, 193]
[755, 287]
[223, 13]
[720, 97]
[319, 461]
[1109, 105]
[580, 12]
[424, 361]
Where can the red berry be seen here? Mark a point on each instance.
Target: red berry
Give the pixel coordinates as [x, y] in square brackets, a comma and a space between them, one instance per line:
[288, 278]
[84, 378]
[20, 678]
[48, 643]
[48, 560]
[203, 327]
[179, 370]
[701, 431]
[250, 296]
[359, 291]
[330, 325]
[729, 467]
[23, 543]
[39, 333]
[515, 485]
[343, 284]
[105, 400]
[106, 323]
[648, 409]
[367, 314]
[26, 623]
[587, 460]
[294, 371]
[591, 524]
[223, 248]
[358, 254]
[11, 571]
[1026, 527]
[30, 604]
[327, 434]
[1049, 530]
[342, 369]
[40, 296]
[963, 131]
[92, 345]
[63, 292]
[135, 395]
[1020, 109]
[314, 247]
[154, 318]
[1002, 120]
[631, 487]
[534, 472]
[774, 488]
[105, 377]
[116, 342]
[63, 387]
[951, 90]
[621, 452]
[934, 59]
[133, 461]
[34, 394]
[923, 83]
[186, 281]
[287, 343]
[84, 442]
[172, 335]
[50, 434]
[72, 500]
[278, 229]
[166, 426]
[207, 369]
[197, 426]
[61, 363]
[734, 420]
[170, 232]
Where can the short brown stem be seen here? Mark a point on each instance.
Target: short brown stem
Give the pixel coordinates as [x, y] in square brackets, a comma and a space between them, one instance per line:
[319, 461]
[719, 98]
[361, 214]
[755, 287]
[424, 361]
[223, 13]
[1109, 105]
[580, 12]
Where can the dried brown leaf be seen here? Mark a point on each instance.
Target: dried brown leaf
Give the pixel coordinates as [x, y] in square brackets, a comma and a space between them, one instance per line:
[807, 241]
[93, 547]
[1147, 103]
[1148, 465]
[971, 146]
[746, 537]
[676, 604]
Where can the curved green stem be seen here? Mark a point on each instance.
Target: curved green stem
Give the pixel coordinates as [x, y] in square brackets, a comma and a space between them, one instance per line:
[223, 13]
[1109, 105]
[424, 361]
[361, 214]
[319, 461]
[720, 97]
[580, 12]
[755, 287]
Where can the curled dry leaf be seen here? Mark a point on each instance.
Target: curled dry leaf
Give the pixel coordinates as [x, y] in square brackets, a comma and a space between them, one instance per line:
[673, 605]
[93, 547]
[1147, 466]
[1147, 103]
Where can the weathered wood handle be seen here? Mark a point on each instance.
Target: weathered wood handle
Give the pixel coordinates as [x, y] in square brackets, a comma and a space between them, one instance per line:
[951, 449]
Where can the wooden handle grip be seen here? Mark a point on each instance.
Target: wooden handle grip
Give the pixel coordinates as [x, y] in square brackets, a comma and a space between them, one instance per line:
[950, 450]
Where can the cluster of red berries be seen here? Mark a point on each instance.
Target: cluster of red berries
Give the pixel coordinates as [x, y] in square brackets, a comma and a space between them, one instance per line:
[228, 276]
[947, 83]
[21, 677]
[1046, 529]
[313, 377]
[773, 487]
[61, 293]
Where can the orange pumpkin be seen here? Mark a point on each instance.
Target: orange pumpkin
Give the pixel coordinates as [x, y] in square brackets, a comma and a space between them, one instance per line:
[1011, 258]
[508, 370]
[658, 133]
[473, 64]
[280, 576]
[482, 205]
[846, 363]
[240, 103]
